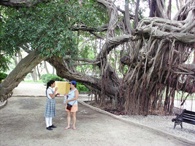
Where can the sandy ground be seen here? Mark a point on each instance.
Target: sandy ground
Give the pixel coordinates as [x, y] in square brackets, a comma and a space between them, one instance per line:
[22, 124]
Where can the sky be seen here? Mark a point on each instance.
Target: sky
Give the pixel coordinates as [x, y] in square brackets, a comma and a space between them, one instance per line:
[120, 3]
[144, 5]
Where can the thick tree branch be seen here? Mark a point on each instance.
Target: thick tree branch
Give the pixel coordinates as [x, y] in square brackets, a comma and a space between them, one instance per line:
[127, 18]
[65, 72]
[21, 3]
[113, 14]
[86, 28]
[182, 31]
[157, 8]
[131, 16]
[136, 13]
[183, 12]
[112, 43]
[182, 37]
[83, 27]
[20, 71]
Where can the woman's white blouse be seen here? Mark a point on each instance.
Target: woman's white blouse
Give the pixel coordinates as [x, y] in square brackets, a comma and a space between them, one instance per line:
[49, 91]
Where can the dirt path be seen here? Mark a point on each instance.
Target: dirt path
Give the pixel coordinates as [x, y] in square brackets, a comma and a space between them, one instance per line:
[22, 124]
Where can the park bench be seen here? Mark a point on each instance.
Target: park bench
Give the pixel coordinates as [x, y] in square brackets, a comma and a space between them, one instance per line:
[186, 116]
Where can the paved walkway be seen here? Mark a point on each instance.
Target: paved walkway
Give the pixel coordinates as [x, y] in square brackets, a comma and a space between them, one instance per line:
[22, 123]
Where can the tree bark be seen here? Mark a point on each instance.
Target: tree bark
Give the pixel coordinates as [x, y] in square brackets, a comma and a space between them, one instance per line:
[21, 3]
[136, 13]
[18, 74]
[127, 17]
[157, 8]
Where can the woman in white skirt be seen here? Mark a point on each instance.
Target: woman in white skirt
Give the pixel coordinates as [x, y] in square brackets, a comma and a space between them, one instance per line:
[50, 104]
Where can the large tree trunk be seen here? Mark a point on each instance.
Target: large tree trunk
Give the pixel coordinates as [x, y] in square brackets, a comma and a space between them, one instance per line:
[17, 75]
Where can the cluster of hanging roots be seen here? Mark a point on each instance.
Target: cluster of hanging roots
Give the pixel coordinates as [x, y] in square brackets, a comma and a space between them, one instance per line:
[155, 66]
[156, 60]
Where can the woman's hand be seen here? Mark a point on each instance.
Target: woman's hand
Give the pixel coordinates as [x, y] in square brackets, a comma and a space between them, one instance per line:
[57, 94]
[56, 89]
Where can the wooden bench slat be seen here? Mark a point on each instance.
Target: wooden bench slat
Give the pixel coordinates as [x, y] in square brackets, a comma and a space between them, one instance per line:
[190, 112]
[188, 116]
[189, 121]
[192, 117]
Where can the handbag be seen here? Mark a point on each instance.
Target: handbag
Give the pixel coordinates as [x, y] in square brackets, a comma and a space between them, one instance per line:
[69, 106]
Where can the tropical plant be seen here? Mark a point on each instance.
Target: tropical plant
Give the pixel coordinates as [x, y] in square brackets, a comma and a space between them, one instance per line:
[2, 76]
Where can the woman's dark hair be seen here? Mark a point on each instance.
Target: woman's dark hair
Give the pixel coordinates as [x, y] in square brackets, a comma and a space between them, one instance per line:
[74, 86]
[49, 83]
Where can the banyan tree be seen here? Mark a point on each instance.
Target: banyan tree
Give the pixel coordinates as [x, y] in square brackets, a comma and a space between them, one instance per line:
[150, 53]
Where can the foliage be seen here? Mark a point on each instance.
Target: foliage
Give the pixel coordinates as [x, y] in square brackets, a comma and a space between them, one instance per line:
[86, 51]
[82, 88]
[47, 27]
[47, 77]
[2, 76]
[4, 61]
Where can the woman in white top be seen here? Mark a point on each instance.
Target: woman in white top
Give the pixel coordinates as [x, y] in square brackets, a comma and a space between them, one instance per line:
[72, 100]
[50, 104]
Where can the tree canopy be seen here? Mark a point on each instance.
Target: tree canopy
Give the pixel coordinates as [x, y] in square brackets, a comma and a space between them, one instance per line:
[47, 26]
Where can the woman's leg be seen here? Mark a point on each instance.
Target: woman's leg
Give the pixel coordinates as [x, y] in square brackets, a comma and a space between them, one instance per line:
[47, 122]
[50, 121]
[68, 120]
[74, 120]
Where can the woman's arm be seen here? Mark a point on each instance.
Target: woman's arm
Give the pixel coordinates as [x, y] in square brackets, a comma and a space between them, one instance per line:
[54, 94]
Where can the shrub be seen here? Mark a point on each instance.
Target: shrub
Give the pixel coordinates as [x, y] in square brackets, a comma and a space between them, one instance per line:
[2, 76]
[47, 77]
[82, 88]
